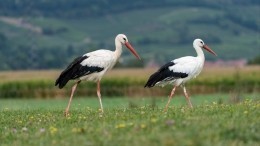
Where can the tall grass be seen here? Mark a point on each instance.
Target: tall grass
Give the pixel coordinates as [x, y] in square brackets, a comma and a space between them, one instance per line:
[121, 87]
[128, 83]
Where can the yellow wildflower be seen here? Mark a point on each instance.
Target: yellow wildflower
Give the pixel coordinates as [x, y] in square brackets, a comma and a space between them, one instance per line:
[120, 125]
[143, 126]
[153, 120]
[53, 130]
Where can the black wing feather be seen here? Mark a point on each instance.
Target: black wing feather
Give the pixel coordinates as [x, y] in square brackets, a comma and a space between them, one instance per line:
[76, 70]
[164, 74]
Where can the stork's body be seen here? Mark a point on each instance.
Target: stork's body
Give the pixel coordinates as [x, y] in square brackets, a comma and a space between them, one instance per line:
[177, 72]
[92, 66]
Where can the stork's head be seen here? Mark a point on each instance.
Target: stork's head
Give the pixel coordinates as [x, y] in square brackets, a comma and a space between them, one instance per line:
[123, 39]
[201, 44]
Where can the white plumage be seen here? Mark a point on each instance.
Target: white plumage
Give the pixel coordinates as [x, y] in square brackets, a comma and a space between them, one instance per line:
[101, 58]
[92, 66]
[179, 71]
[188, 65]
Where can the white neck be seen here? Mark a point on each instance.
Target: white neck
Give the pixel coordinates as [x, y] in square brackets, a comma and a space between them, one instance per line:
[199, 51]
[118, 50]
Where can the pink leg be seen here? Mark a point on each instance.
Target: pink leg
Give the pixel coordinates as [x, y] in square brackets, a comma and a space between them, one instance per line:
[99, 96]
[66, 113]
[187, 97]
[170, 97]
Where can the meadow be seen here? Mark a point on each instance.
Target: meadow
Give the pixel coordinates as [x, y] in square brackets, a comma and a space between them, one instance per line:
[129, 121]
[226, 110]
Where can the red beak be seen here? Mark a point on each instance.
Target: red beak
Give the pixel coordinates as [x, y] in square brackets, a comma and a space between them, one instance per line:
[128, 45]
[208, 49]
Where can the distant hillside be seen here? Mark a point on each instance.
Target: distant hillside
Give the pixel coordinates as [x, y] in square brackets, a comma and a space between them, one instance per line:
[85, 8]
[45, 34]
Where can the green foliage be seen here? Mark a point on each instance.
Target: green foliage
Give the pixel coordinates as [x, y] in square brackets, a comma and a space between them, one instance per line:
[206, 124]
[255, 60]
[82, 8]
[159, 30]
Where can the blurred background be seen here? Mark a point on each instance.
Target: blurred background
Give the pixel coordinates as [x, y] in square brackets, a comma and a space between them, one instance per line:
[39, 38]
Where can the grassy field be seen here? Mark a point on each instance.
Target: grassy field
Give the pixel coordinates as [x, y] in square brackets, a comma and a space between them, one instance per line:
[129, 121]
[208, 73]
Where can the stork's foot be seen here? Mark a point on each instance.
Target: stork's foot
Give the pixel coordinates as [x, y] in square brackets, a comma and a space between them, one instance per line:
[166, 108]
[66, 113]
[101, 111]
[189, 102]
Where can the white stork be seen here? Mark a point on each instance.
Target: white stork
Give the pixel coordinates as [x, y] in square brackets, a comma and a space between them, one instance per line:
[92, 66]
[179, 71]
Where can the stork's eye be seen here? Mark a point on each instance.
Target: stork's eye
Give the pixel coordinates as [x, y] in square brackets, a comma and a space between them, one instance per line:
[201, 42]
[124, 39]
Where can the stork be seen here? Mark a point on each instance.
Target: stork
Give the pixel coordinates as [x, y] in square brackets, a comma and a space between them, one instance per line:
[92, 66]
[177, 72]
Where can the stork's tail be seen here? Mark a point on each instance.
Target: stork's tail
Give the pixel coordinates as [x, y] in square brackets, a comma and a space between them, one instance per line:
[62, 81]
[154, 78]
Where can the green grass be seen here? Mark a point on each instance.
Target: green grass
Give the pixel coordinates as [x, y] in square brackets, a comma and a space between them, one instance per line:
[41, 122]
